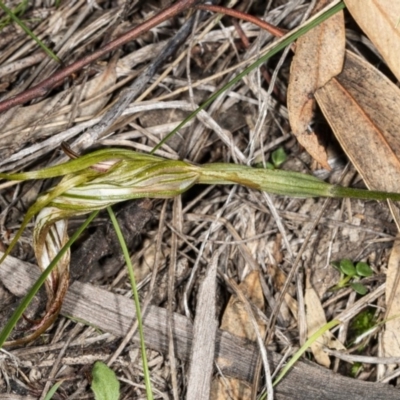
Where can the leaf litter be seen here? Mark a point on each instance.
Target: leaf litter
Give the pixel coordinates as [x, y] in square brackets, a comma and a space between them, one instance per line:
[211, 217]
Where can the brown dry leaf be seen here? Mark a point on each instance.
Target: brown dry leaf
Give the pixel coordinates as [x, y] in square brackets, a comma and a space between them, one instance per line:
[391, 336]
[315, 318]
[319, 57]
[362, 107]
[292, 305]
[379, 19]
[225, 388]
[236, 320]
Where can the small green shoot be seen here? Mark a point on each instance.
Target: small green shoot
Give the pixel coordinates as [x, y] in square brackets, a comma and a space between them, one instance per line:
[363, 322]
[278, 157]
[350, 275]
[19, 10]
[356, 369]
[361, 327]
[105, 384]
[13, 16]
[53, 390]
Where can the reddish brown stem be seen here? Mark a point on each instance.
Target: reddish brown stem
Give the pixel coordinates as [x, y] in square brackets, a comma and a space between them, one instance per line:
[273, 30]
[263, 70]
[56, 79]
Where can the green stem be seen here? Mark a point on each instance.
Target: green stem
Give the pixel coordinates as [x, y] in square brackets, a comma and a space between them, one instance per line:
[286, 183]
[346, 192]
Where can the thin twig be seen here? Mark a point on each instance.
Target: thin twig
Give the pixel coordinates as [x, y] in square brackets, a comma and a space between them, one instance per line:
[273, 30]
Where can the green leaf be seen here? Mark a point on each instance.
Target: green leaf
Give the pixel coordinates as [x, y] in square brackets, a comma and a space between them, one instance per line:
[269, 165]
[363, 269]
[278, 157]
[347, 267]
[335, 264]
[359, 288]
[105, 384]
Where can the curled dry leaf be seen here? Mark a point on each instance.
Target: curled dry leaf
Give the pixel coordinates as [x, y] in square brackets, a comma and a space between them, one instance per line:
[379, 19]
[319, 57]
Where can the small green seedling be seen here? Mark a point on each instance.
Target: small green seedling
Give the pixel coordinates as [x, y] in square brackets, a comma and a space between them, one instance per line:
[350, 275]
[363, 322]
[356, 369]
[278, 157]
[362, 326]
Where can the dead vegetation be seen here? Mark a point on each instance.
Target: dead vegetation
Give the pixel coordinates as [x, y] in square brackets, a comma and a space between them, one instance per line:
[241, 244]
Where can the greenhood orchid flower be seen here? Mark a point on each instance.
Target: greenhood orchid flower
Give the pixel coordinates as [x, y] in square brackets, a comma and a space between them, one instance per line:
[105, 177]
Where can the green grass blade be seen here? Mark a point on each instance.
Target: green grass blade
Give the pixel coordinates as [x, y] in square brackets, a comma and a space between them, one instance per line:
[18, 10]
[53, 390]
[305, 346]
[149, 392]
[29, 32]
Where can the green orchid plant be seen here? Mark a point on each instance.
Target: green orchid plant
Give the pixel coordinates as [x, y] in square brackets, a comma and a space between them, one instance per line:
[105, 177]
